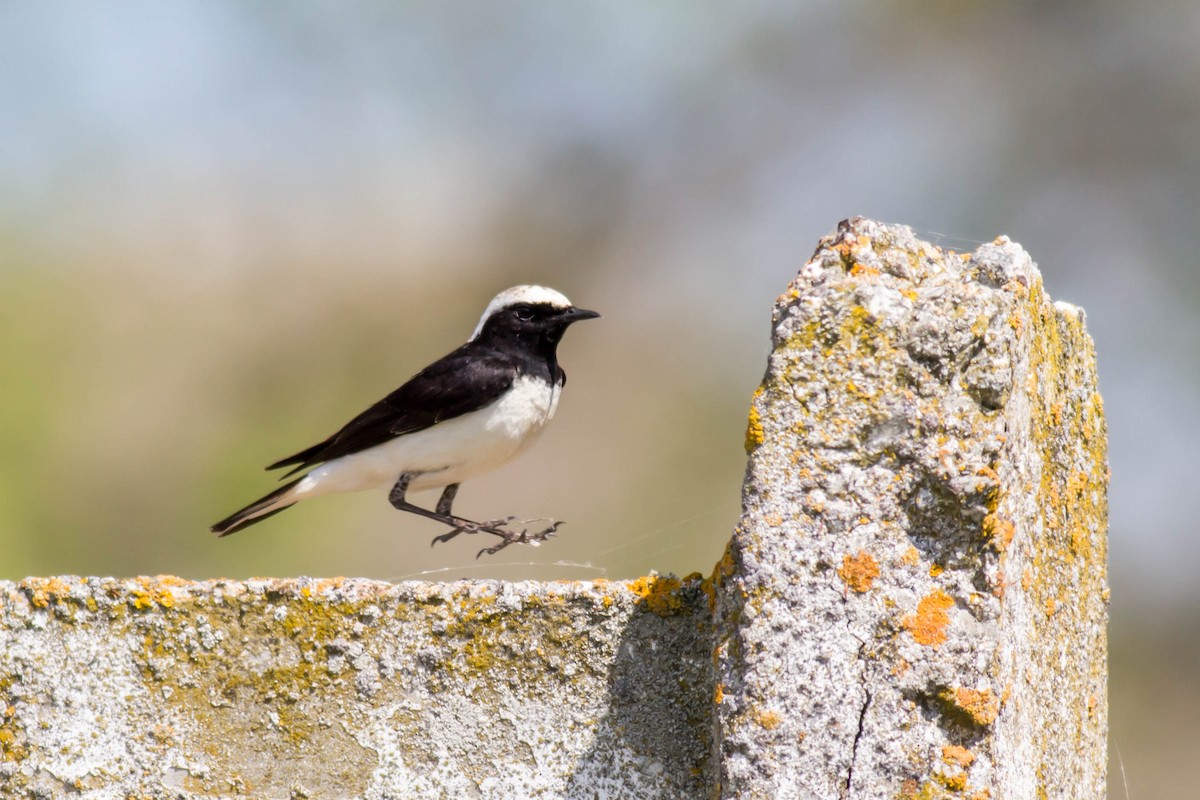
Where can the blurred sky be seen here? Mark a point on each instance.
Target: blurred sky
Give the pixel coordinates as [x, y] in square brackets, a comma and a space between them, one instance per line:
[672, 163]
[226, 227]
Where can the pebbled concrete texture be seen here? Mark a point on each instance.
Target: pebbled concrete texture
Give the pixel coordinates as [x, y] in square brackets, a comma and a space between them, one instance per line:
[914, 604]
[158, 687]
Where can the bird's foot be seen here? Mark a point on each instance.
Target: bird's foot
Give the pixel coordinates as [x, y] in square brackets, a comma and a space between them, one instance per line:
[493, 526]
[524, 536]
[499, 527]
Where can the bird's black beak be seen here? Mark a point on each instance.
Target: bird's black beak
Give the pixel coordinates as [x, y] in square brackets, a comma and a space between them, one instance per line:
[574, 314]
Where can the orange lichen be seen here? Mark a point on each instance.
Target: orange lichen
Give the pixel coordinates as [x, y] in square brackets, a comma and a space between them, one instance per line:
[999, 531]
[859, 571]
[153, 592]
[845, 248]
[928, 625]
[330, 584]
[1016, 287]
[979, 707]
[43, 591]
[935, 570]
[719, 694]
[1017, 323]
[1053, 506]
[960, 756]
[721, 571]
[9, 749]
[911, 557]
[999, 585]
[726, 566]
[767, 718]
[754, 428]
[658, 594]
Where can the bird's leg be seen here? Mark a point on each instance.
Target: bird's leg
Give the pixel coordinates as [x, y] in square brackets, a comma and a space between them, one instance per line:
[447, 498]
[443, 508]
[442, 514]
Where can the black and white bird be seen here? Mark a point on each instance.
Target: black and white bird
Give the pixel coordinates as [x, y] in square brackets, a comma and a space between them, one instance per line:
[464, 414]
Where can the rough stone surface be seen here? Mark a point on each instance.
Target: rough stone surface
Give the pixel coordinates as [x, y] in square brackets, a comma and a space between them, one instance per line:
[354, 689]
[914, 604]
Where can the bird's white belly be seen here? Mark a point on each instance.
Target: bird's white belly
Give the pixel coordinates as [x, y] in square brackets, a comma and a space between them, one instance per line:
[450, 451]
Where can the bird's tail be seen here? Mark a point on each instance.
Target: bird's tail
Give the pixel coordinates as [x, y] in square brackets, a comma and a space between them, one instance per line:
[257, 511]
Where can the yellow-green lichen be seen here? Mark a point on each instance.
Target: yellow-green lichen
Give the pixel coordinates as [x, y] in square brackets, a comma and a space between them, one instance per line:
[255, 680]
[942, 786]
[11, 748]
[288, 632]
[1064, 573]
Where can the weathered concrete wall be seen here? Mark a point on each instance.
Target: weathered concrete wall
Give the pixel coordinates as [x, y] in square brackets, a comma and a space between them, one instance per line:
[346, 689]
[913, 606]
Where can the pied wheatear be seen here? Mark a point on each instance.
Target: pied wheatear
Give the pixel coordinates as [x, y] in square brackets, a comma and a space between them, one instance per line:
[464, 414]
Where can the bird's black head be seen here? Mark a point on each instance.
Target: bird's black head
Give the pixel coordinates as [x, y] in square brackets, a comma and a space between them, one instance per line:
[533, 316]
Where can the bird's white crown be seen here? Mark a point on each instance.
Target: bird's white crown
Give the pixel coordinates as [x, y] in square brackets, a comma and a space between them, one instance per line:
[521, 294]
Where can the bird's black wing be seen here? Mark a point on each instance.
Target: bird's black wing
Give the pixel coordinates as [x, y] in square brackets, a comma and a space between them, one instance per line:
[464, 381]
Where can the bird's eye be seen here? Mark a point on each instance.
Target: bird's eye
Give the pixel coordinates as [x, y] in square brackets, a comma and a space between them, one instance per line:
[523, 312]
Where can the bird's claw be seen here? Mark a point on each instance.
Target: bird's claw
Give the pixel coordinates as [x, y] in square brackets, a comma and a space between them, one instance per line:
[525, 536]
[445, 537]
[497, 527]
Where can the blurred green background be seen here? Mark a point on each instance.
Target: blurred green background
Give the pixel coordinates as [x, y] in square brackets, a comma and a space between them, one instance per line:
[226, 227]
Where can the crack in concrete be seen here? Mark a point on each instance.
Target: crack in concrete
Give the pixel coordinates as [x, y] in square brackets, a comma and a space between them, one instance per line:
[862, 715]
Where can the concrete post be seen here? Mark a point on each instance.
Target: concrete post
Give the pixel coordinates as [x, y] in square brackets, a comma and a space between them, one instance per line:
[914, 604]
